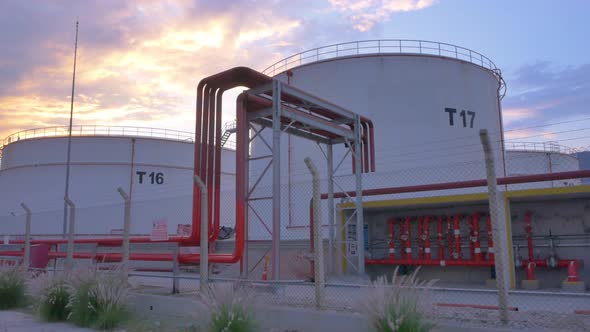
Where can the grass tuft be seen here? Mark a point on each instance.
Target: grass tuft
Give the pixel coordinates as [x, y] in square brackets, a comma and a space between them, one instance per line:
[229, 309]
[399, 306]
[52, 295]
[12, 287]
[98, 299]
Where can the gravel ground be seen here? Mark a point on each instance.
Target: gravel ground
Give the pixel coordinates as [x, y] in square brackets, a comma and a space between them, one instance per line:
[14, 321]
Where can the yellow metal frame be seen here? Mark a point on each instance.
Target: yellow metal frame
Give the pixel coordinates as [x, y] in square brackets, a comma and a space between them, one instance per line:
[508, 195]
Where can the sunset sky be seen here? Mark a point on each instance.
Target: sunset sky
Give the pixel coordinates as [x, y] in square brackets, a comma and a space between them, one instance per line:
[139, 61]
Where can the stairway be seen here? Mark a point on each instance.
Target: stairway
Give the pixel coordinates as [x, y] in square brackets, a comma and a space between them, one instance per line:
[230, 128]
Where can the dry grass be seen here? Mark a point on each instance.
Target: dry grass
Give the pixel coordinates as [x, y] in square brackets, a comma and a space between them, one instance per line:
[229, 308]
[12, 287]
[51, 294]
[399, 306]
[98, 299]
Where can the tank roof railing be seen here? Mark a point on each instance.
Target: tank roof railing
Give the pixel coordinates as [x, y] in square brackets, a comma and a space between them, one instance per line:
[381, 46]
[548, 147]
[98, 130]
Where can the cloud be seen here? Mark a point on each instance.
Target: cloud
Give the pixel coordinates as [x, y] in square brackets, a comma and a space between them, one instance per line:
[543, 95]
[138, 61]
[365, 14]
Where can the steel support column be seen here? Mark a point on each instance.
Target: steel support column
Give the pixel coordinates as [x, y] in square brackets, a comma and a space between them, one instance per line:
[276, 176]
[330, 159]
[359, 196]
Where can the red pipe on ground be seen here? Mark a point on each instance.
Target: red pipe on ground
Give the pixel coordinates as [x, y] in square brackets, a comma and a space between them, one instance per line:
[474, 306]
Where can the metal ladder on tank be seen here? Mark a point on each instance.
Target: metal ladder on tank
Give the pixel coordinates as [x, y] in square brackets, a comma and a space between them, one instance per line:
[229, 128]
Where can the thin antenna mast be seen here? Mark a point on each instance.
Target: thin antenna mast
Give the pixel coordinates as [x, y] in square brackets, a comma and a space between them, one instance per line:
[68, 157]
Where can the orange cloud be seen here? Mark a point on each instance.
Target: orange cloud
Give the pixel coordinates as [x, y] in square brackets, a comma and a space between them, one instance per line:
[147, 74]
[365, 14]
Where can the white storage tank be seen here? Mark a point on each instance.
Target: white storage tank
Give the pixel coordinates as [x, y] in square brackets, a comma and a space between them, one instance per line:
[427, 100]
[527, 158]
[154, 166]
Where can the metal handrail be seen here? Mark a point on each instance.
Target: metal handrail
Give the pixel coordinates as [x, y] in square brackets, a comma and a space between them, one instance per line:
[98, 130]
[381, 46]
[550, 147]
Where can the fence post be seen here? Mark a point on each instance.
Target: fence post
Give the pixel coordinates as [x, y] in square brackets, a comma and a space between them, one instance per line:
[27, 257]
[71, 230]
[126, 230]
[175, 268]
[204, 243]
[318, 251]
[495, 202]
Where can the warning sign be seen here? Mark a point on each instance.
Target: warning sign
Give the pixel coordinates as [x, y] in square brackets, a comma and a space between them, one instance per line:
[159, 230]
[184, 229]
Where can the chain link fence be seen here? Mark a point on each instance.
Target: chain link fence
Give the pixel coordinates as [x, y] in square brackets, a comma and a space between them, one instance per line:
[420, 222]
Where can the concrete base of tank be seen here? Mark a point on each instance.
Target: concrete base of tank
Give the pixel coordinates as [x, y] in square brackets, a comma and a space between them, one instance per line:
[573, 286]
[530, 284]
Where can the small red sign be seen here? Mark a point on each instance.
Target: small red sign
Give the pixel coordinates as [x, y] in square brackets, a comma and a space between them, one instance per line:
[159, 230]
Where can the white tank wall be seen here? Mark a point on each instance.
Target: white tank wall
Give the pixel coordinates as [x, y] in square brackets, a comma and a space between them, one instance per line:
[405, 96]
[521, 162]
[33, 171]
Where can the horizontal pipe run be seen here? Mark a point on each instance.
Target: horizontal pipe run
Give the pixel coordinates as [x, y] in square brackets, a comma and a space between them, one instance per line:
[467, 184]
[473, 306]
[423, 262]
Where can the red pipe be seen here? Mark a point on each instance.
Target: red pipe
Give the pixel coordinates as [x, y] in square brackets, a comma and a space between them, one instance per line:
[439, 233]
[528, 228]
[490, 239]
[426, 237]
[391, 238]
[217, 202]
[420, 237]
[572, 271]
[474, 306]
[475, 237]
[457, 236]
[561, 263]
[530, 271]
[405, 238]
[432, 262]
[471, 242]
[311, 242]
[449, 237]
[466, 184]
